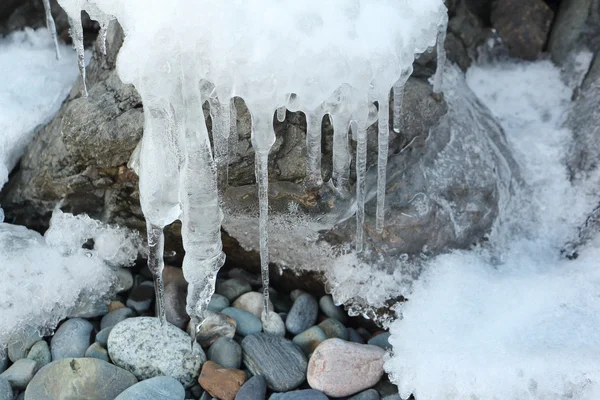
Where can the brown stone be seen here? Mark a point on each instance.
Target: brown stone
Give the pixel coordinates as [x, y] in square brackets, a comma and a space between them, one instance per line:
[171, 274]
[115, 305]
[214, 326]
[220, 382]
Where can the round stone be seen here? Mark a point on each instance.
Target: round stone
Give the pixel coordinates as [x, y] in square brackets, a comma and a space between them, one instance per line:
[339, 368]
[20, 373]
[303, 314]
[309, 339]
[278, 360]
[218, 303]
[253, 302]
[72, 339]
[40, 353]
[246, 323]
[329, 308]
[255, 388]
[306, 394]
[222, 383]
[273, 325]
[102, 337]
[116, 316]
[333, 328]
[226, 352]
[97, 351]
[157, 388]
[233, 288]
[175, 302]
[79, 378]
[147, 349]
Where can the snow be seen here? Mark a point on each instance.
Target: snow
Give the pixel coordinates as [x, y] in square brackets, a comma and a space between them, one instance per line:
[33, 84]
[512, 319]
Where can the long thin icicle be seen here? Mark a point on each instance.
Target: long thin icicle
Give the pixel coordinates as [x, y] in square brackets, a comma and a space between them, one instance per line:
[233, 137]
[103, 33]
[77, 37]
[341, 153]
[221, 115]
[313, 148]
[399, 98]
[361, 173]
[281, 114]
[441, 58]
[382, 156]
[156, 265]
[51, 26]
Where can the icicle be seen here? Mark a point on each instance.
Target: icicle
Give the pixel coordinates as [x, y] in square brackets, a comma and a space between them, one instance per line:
[77, 36]
[233, 137]
[361, 173]
[341, 153]
[156, 244]
[398, 99]
[281, 114]
[51, 26]
[221, 115]
[382, 156]
[441, 57]
[103, 33]
[313, 148]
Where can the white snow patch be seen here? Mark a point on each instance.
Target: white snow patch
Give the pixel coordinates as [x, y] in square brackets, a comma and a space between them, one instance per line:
[33, 85]
[515, 319]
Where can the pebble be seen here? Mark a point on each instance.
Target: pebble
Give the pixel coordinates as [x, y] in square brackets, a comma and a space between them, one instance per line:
[308, 340]
[233, 288]
[333, 328]
[253, 302]
[254, 280]
[339, 368]
[296, 293]
[226, 352]
[102, 337]
[247, 323]
[354, 336]
[196, 390]
[175, 302]
[306, 394]
[364, 333]
[115, 305]
[157, 388]
[331, 310]
[125, 280]
[19, 349]
[6, 392]
[3, 359]
[215, 326]
[370, 394]
[218, 303]
[220, 382]
[281, 303]
[274, 325]
[278, 360]
[40, 353]
[20, 373]
[255, 388]
[387, 390]
[71, 340]
[97, 351]
[116, 316]
[79, 378]
[381, 340]
[141, 297]
[303, 314]
[147, 349]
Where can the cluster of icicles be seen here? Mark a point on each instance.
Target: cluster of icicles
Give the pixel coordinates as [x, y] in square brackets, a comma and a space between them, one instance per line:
[180, 176]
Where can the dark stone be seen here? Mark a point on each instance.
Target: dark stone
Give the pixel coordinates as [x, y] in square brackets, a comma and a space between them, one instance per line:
[226, 352]
[306, 394]
[255, 388]
[175, 303]
[369, 394]
[116, 316]
[303, 314]
[71, 339]
[381, 340]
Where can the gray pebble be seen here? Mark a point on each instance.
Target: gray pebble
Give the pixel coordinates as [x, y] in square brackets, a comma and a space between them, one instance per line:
[281, 303]
[303, 314]
[40, 353]
[331, 310]
[366, 335]
[252, 279]
[125, 280]
[71, 340]
[116, 316]
[387, 390]
[218, 303]
[381, 340]
[20, 373]
[233, 288]
[306, 394]
[97, 351]
[255, 388]
[158, 388]
[309, 339]
[333, 328]
[3, 359]
[214, 326]
[196, 391]
[247, 323]
[175, 302]
[226, 352]
[369, 394]
[294, 294]
[6, 392]
[354, 336]
[102, 337]
[278, 360]
[141, 297]
[273, 325]
[19, 349]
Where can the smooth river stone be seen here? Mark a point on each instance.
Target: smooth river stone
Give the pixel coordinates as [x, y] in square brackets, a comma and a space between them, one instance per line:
[116, 316]
[214, 326]
[147, 349]
[310, 339]
[218, 303]
[246, 323]
[306, 394]
[273, 325]
[331, 310]
[333, 328]
[6, 392]
[339, 368]
[226, 352]
[278, 360]
[79, 378]
[157, 388]
[40, 353]
[303, 314]
[141, 297]
[72, 339]
[175, 302]
[19, 349]
[233, 288]
[253, 302]
[255, 388]
[381, 340]
[20, 373]
[222, 383]
[370, 394]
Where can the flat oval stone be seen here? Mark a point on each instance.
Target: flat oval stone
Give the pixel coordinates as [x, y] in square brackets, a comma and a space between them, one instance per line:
[218, 303]
[175, 303]
[141, 297]
[233, 288]
[306, 394]
[97, 351]
[157, 388]
[370, 394]
[226, 352]
[308, 340]
[222, 383]
[339, 368]
[255, 388]
[40, 353]
[6, 392]
[246, 322]
[79, 378]
[303, 314]
[72, 339]
[381, 340]
[215, 326]
[253, 302]
[116, 316]
[273, 325]
[333, 328]
[278, 360]
[331, 310]
[20, 373]
[147, 349]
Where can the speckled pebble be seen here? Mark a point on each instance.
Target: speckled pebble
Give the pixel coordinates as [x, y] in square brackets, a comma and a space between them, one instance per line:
[97, 351]
[141, 297]
[226, 352]
[331, 310]
[246, 322]
[233, 288]
[303, 314]
[116, 316]
[255, 388]
[20, 373]
[273, 325]
[333, 328]
[40, 353]
[218, 303]
[381, 340]
[306, 394]
[71, 340]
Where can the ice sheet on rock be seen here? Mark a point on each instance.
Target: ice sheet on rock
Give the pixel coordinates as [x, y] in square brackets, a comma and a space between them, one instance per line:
[513, 319]
[33, 86]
